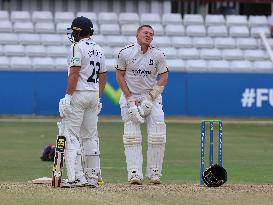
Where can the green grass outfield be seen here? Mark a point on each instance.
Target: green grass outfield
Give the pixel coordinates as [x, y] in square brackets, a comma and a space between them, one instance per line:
[247, 156]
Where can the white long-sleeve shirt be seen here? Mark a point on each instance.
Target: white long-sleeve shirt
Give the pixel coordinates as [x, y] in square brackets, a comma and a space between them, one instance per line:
[141, 70]
[90, 57]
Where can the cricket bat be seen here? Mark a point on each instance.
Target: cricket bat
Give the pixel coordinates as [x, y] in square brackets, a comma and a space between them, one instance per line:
[58, 161]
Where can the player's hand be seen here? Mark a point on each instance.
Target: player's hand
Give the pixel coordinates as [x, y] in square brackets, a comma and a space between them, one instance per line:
[65, 106]
[145, 107]
[99, 107]
[135, 115]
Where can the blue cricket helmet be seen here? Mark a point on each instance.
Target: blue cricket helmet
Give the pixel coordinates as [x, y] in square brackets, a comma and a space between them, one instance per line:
[81, 27]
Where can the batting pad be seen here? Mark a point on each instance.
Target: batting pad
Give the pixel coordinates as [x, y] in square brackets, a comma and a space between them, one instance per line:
[91, 156]
[132, 148]
[156, 149]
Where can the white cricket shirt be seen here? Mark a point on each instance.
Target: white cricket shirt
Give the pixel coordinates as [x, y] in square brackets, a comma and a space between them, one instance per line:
[90, 57]
[270, 20]
[141, 70]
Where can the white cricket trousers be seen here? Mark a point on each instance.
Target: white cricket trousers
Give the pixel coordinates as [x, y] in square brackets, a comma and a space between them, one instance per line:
[80, 123]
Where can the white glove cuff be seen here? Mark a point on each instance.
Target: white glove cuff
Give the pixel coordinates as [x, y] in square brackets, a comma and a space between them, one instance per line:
[131, 101]
[68, 97]
[156, 91]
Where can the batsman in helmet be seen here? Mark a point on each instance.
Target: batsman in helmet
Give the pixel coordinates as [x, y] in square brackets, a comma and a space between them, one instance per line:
[81, 105]
[139, 65]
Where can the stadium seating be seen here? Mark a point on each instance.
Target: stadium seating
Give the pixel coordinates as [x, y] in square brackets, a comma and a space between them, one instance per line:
[218, 66]
[29, 39]
[196, 65]
[169, 52]
[129, 29]
[128, 18]
[162, 41]
[5, 26]
[150, 18]
[193, 19]
[14, 50]
[217, 31]
[110, 29]
[4, 15]
[108, 52]
[211, 54]
[61, 64]
[35, 50]
[171, 19]
[63, 16]
[176, 64]
[236, 20]
[23, 16]
[41, 64]
[202, 42]
[258, 21]
[247, 43]
[232, 54]
[8, 38]
[241, 66]
[5, 63]
[110, 64]
[45, 27]
[181, 42]
[254, 31]
[196, 30]
[23, 27]
[213, 20]
[100, 39]
[214, 43]
[20, 63]
[61, 27]
[224, 43]
[174, 30]
[238, 31]
[107, 18]
[188, 53]
[91, 15]
[158, 28]
[263, 66]
[51, 39]
[116, 41]
[254, 55]
[42, 16]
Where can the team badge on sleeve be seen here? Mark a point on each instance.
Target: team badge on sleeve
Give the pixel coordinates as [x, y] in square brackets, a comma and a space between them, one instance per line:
[75, 61]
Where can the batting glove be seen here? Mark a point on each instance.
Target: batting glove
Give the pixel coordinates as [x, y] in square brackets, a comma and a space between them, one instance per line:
[134, 114]
[64, 106]
[145, 107]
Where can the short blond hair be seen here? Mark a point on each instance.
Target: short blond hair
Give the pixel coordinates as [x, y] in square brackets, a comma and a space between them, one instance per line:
[142, 26]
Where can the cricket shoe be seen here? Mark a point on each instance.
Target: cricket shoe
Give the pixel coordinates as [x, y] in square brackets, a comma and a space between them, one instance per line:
[155, 179]
[135, 179]
[67, 184]
[77, 183]
[81, 182]
[92, 182]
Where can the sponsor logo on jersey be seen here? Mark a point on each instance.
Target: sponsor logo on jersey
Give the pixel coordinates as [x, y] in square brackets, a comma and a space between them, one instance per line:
[142, 73]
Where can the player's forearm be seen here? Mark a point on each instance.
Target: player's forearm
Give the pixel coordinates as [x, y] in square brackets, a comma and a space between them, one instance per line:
[122, 84]
[102, 83]
[72, 80]
[163, 78]
[159, 86]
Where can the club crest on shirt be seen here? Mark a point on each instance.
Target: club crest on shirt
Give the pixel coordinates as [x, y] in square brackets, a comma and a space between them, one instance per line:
[133, 60]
